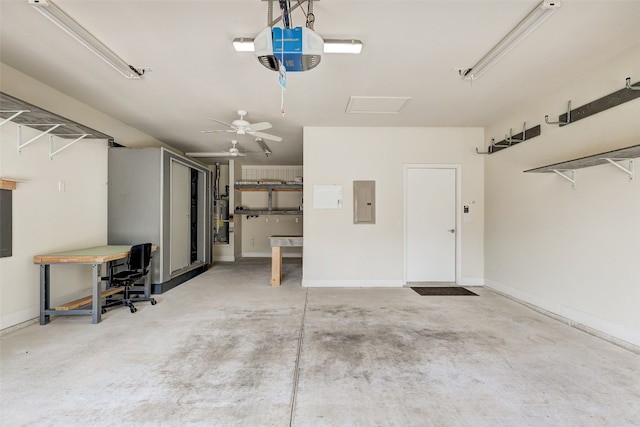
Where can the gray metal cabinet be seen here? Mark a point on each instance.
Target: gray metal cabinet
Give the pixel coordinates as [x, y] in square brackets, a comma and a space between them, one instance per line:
[145, 197]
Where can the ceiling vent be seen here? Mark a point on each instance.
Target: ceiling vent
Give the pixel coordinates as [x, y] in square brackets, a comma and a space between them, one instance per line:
[376, 104]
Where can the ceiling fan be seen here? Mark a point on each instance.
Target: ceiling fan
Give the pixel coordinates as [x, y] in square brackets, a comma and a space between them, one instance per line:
[242, 127]
[232, 152]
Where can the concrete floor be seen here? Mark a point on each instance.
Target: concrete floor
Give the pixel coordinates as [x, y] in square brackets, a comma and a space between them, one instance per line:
[226, 349]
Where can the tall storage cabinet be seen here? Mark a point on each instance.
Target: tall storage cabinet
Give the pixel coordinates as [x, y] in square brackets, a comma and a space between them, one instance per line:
[158, 196]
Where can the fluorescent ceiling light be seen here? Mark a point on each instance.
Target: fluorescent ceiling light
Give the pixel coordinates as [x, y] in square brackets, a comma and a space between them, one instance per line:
[536, 17]
[342, 46]
[82, 35]
[244, 44]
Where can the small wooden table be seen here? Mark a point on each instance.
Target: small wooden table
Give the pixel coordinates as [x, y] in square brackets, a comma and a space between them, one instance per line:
[95, 257]
[277, 243]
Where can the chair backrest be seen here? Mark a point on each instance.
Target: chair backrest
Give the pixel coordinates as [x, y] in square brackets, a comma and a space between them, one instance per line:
[140, 257]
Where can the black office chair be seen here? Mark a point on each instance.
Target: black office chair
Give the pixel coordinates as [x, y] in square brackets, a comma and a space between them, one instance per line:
[137, 269]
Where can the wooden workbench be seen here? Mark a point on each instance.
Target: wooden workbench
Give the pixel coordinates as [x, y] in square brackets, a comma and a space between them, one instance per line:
[277, 243]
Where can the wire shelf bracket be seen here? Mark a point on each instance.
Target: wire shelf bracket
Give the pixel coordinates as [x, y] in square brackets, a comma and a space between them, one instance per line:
[614, 162]
[15, 114]
[35, 138]
[571, 179]
[69, 144]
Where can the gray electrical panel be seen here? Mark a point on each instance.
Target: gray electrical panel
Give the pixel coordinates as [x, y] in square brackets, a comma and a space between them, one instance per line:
[364, 202]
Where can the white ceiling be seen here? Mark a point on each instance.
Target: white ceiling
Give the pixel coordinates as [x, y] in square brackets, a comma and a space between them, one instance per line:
[411, 48]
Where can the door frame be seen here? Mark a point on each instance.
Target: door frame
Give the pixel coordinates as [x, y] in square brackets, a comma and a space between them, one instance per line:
[172, 268]
[458, 217]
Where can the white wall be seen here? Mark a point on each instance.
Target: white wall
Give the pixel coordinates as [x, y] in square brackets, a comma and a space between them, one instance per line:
[45, 219]
[339, 253]
[256, 233]
[574, 252]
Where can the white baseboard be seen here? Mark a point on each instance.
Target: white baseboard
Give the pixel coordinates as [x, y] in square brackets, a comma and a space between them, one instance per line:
[311, 283]
[617, 334]
[472, 281]
[224, 258]
[18, 320]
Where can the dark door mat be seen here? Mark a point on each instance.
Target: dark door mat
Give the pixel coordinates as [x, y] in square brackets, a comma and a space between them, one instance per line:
[443, 291]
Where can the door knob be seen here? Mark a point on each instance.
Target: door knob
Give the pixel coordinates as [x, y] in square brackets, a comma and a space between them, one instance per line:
[453, 230]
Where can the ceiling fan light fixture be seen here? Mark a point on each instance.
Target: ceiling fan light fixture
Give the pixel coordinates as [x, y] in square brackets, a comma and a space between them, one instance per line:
[59, 17]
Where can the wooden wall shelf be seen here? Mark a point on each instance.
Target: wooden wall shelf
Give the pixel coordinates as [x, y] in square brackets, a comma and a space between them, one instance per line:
[7, 184]
[610, 157]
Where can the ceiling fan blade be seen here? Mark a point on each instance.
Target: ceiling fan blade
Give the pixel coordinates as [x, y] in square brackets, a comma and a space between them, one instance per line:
[263, 145]
[215, 154]
[217, 130]
[221, 122]
[255, 127]
[265, 136]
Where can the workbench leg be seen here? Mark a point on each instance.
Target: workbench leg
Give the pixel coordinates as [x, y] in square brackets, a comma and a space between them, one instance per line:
[147, 282]
[97, 294]
[276, 265]
[45, 294]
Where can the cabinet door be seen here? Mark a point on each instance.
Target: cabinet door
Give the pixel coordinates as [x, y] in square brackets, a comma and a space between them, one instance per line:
[180, 236]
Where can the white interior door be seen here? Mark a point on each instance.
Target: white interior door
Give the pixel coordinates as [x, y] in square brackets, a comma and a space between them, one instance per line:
[180, 236]
[431, 225]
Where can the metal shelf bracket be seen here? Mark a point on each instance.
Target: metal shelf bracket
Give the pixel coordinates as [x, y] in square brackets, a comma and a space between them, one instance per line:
[490, 149]
[53, 153]
[571, 179]
[500, 144]
[546, 118]
[510, 139]
[628, 85]
[22, 145]
[16, 113]
[615, 163]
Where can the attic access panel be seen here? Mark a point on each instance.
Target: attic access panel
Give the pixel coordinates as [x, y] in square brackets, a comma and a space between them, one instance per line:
[40, 116]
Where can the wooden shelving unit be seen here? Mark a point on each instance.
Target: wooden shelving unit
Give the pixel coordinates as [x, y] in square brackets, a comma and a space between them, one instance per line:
[269, 188]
